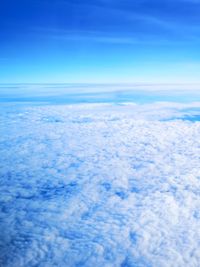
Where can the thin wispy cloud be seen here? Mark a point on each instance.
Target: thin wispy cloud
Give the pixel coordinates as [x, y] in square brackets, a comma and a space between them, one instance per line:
[139, 24]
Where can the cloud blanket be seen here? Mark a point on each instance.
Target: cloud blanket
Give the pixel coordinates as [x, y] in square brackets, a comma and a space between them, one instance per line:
[100, 185]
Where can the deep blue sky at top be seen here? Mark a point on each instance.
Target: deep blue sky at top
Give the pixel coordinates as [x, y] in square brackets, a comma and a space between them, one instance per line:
[99, 40]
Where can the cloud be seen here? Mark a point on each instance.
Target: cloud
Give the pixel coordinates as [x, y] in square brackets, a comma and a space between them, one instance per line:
[100, 185]
[125, 23]
[89, 36]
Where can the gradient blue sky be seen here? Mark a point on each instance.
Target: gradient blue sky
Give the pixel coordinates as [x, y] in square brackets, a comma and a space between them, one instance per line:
[99, 41]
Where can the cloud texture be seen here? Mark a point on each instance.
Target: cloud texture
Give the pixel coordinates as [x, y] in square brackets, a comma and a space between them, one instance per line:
[100, 185]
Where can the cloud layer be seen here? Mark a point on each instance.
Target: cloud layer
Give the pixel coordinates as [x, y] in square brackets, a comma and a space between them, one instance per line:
[100, 185]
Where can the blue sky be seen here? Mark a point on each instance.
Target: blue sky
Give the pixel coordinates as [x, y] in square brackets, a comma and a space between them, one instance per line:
[99, 41]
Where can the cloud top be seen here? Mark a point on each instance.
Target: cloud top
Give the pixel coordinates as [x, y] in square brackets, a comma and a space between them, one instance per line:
[100, 185]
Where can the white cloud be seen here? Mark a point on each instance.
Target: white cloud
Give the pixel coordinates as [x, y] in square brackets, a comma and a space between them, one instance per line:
[100, 185]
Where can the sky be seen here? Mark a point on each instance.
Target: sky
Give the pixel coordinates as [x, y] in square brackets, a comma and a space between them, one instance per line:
[99, 41]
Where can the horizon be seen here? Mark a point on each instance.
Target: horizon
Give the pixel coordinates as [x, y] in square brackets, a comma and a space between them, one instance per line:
[77, 93]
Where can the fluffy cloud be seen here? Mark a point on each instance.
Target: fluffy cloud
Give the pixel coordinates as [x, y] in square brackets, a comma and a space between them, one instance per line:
[100, 185]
